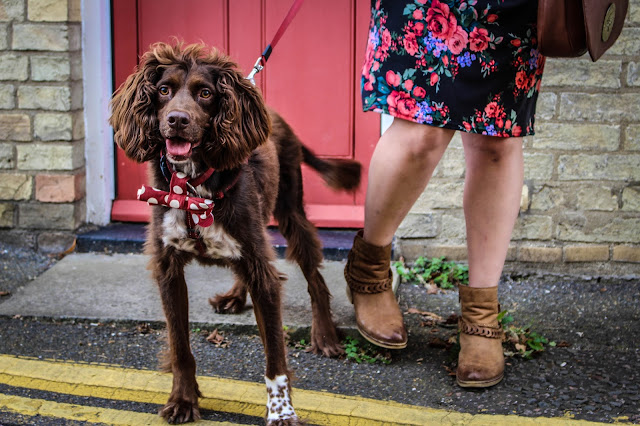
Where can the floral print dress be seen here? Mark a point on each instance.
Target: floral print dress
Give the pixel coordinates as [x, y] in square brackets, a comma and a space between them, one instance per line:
[469, 65]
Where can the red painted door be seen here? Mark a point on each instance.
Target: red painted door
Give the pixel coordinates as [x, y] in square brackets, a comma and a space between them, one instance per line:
[312, 79]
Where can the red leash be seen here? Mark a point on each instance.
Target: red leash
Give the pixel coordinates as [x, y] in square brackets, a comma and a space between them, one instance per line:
[262, 60]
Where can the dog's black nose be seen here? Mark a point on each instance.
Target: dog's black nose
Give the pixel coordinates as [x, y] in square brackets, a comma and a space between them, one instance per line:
[178, 120]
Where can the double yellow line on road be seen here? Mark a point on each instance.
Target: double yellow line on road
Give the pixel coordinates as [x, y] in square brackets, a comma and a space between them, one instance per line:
[223, 395]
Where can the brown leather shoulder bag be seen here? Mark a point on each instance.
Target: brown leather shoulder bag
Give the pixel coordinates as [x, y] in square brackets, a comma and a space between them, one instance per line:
[569, 28]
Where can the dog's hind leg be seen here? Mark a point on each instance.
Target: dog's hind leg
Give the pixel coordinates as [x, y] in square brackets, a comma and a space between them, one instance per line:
[304, 247]
[168, 270]
[264, 282]
[231, 302]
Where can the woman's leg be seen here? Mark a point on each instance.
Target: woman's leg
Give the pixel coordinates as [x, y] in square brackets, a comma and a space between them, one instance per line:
[493, 188]
[401, 166]
[493, 185]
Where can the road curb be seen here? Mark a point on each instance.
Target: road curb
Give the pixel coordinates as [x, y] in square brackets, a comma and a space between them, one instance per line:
[234, 396]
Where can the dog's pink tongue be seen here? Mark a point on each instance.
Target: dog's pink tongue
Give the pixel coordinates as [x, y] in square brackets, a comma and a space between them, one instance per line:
[178, 148]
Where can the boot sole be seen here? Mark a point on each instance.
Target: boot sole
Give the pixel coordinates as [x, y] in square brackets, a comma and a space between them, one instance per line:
[370, 339]
[380, 343]
[479, 383]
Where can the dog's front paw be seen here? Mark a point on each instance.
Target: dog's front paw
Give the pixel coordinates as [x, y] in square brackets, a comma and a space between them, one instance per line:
[182, 411]
[293, 421]
[228, 303]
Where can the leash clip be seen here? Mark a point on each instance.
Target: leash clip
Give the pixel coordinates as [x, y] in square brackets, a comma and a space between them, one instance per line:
[256, 69]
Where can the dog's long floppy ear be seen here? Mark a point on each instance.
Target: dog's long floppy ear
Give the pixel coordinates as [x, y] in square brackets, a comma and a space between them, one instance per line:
[240, 122]
[133, 113]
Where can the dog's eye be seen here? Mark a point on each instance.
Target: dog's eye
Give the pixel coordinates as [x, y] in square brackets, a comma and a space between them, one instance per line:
[205, 93]
[164, 90]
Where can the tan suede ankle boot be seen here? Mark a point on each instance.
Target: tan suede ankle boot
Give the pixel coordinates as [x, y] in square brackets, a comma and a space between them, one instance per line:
[481, 360]
[368, 276]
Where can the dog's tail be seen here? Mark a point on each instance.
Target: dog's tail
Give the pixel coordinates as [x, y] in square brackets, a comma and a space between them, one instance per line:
[339, 174]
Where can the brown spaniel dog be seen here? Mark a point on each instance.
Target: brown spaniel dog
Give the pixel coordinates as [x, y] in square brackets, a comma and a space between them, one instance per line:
[221, 166]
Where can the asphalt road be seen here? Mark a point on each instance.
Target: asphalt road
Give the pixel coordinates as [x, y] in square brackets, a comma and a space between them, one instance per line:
[592, 375]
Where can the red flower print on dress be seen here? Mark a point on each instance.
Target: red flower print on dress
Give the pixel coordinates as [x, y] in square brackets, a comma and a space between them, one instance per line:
[440, 21]
[419, 92]
[522, 80]
[401, 105]
[411, 44]
[418, 14]
[478, 39]
[492, 110]
[393, 79]
[458, 41]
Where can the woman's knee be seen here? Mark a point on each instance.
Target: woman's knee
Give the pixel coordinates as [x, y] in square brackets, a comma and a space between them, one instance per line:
[492, 148]
[419, 141]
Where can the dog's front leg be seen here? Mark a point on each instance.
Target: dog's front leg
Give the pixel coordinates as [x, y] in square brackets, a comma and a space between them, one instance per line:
[168, 270]
[264, 283]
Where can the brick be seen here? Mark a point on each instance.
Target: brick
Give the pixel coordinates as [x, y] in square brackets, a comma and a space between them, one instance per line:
[47, 10]
[4, 34]
[53, 126]
[78, 125]
[633, 74]
[586, 253]
[418, 226]
[533, 227]
[596, 197]
[583, 137]
[633, 14]
[540, 254]
[54, 98]
[628, 44]
[77, 93]
[440, 195]
[75, 11]
[599, 167]
[46, 216]
[49, 157]
[11, 10]
[626, 254]
[546, 106]
[631, 199]
[452, 227]
[452, 163]
[59, 188]
[548, 197]
[75, 63]
[7, 96]
[6, 215]
[43, 37]
[598, 228]
[75, 37]
[15, 127]
[14, 67]
[7, 156]
[632, 137]
[50, 68]
[524, 199]
[55, 242]
[15, 186]
[610, 108]
[582, 73]
[413, 249]
[538, 166]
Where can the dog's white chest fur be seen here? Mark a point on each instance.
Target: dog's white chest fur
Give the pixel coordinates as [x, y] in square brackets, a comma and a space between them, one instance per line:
[218, 244]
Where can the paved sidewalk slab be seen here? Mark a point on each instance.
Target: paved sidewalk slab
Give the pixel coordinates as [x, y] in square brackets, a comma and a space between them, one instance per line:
[119, 287]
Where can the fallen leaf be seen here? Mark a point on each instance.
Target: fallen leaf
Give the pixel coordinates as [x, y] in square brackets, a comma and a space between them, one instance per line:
[521, 347]
[4, 293]
[450, 372]
[217, 338]
[563, 344]
[143, 328]
[437, 342]
[427, 314]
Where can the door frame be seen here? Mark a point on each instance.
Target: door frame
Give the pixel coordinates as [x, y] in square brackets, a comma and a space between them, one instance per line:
[98, 142]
